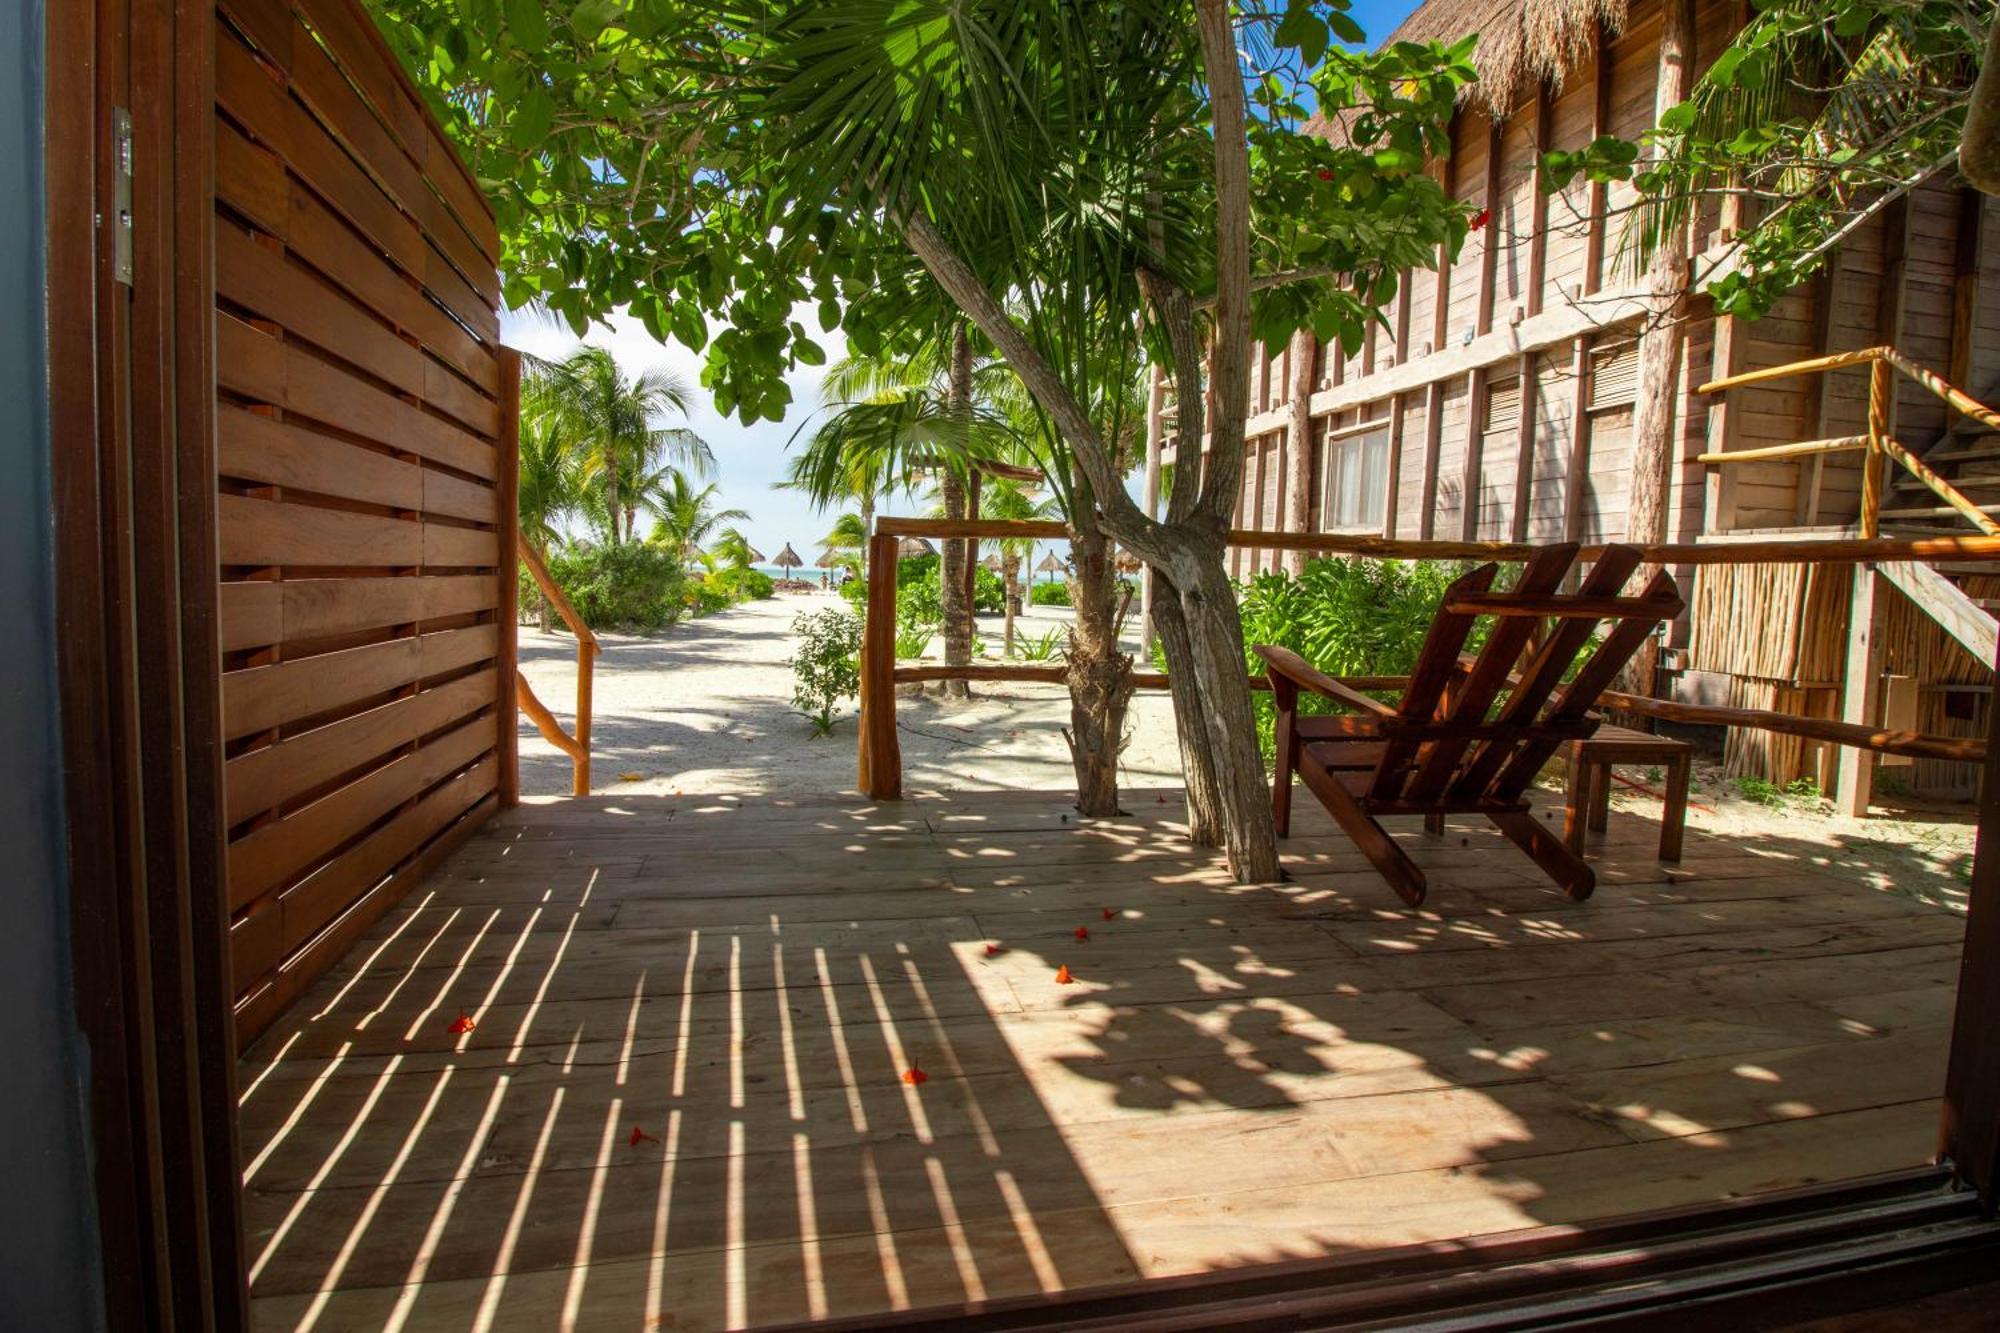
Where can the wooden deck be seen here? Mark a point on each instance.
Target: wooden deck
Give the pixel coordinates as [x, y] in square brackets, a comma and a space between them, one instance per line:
[1236, 1074]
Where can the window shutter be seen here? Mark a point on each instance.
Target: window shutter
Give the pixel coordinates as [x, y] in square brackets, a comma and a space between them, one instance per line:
[1503, 404]
[1614, 376]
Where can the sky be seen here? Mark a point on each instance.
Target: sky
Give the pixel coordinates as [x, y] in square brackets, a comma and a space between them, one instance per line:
[751, 459]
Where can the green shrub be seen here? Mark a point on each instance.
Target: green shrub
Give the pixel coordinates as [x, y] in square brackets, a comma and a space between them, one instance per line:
[826, 665]
[705, 599]
[743, 584]
[1354, 617]
[1042, 647]
[1049, 594]
[633, 585]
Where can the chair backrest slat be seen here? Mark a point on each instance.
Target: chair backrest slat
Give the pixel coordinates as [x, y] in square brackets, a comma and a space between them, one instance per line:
[1473, 696]
[1436, 662]
[1546, 666]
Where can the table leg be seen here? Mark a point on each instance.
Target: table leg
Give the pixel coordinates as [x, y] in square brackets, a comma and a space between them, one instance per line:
[1600, 799]
[1673, 815]
[1576, 798]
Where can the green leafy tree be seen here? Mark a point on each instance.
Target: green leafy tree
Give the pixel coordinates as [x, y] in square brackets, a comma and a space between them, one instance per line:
[687, 518]
[551, 493]
[627, 460]
[1008, 501]
[1070, 176]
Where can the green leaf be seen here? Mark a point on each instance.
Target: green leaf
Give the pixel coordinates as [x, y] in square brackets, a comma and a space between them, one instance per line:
[688, 325]
[534, 115]
[527, 24]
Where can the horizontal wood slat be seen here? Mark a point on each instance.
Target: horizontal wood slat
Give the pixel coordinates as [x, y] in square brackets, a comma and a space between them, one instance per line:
[361, 488]
[264, 698]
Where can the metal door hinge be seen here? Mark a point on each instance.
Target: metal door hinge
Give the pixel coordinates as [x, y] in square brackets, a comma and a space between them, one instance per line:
[121, 194]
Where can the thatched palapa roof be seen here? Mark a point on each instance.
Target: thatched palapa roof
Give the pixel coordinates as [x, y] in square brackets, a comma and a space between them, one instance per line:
[788, 558]
[1521, 42]
[911, 547]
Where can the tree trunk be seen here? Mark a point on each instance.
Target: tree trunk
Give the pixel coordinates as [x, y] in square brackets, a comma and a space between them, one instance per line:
[611, 504]
[1660, 345]
[1100, 676]
[1010, 568]
[1979, 145]
[1299, 443]
[951, 557]
[867, 527]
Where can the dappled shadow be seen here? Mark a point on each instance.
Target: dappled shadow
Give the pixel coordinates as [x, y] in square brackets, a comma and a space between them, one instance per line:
[1229, 1075]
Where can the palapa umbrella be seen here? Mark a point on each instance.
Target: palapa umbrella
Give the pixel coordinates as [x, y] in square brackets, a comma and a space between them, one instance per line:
[828, 560]
[994, 562]
[1127, 563]
[911, 547]
[1050, 565]
[756, 556]
[787, 558]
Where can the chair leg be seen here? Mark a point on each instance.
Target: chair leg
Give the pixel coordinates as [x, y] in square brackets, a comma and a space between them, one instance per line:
[1576, 800]
[1673, 816]
[1369, 837]
[1600, 799]
[1286, 739]
[1434, 823]
[1541, 844]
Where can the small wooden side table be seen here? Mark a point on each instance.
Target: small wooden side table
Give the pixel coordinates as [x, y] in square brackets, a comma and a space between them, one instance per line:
[1588, 798]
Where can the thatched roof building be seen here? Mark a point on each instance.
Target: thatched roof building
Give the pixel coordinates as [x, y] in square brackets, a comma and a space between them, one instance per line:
[1521, 42]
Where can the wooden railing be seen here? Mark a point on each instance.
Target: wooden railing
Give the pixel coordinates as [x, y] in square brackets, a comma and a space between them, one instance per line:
[880, 752]
[1877, 443]
[577, 747]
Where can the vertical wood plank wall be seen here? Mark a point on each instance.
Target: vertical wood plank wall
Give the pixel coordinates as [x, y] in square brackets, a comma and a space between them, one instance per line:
[360, 406]
[1493, 321]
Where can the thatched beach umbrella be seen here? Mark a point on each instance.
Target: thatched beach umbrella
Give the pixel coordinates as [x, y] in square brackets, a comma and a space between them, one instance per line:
[1127, 563]
[994, 562]
[911, 547]
[787, 558]
[1050, 565]
[755, 556]
[828, 560]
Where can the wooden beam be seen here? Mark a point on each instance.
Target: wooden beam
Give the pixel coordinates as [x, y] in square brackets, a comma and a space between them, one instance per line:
[1969, 1135]
[1478, 383]
[1598, 199]
[1862, 741]
[507, 617]
[1968, 256]
[880, 752]
[1433, 441]
[1949, 605]
[1855, 769]
[1578, 465]
[1825, 291]
[1392, 483]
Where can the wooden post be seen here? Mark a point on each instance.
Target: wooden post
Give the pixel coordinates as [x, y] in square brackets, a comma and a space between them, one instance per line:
[586, 668]
[1303, 364]
[1156, 397]
[881, 754]
[1880, 387]
[1968, 258]
[1855, 772]
[972, 551]
[508, 526]
[1969, 1135]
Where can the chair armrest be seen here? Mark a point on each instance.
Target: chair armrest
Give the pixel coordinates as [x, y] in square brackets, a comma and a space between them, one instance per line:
[1284, 662]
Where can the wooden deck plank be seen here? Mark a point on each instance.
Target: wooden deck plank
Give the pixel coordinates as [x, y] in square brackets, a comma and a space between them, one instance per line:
[1235, 1074]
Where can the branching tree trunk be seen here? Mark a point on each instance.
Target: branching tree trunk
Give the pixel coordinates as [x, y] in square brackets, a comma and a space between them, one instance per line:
[1660, 346]
[951, 560]
[1228, 797]
[1100, 676]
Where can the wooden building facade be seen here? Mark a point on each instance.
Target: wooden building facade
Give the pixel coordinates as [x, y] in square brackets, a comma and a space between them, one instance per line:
[1497, 399]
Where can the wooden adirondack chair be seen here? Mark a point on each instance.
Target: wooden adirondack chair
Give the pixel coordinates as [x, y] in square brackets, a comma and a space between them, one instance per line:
[1446, 749]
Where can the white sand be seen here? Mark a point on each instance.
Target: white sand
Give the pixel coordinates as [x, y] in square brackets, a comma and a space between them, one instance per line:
[706, 706]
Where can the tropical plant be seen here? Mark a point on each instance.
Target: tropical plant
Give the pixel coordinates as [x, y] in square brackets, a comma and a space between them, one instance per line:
[550, 492]
[631, 586]
[1069, 184]
[1041, 647]
[686, 518]
[626, 460]
[731, 550]
[1051, 593]
[743, 584]
[1007, 500]
[826, 665]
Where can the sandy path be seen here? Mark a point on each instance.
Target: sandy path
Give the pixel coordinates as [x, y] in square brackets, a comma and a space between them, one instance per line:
[706, 706]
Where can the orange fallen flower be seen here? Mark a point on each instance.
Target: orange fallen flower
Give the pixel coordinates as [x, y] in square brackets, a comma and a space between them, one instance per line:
[462, 1024]
[914, 1076]
[1063, 978]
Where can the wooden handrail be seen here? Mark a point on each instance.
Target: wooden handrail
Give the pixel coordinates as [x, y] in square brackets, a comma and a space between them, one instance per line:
[880, 753]
[1878, 442]
[577, 747]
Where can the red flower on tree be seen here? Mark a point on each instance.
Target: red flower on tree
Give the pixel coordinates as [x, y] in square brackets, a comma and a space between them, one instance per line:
[1481, 218]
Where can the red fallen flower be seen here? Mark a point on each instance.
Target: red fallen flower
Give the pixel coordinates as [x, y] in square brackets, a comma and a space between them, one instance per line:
[1480, 219]
[1109, 914]
[1063, 978]
[913, 1076]
[1083, 932]
[639, 1136]
[462, 1025]
[992, 949]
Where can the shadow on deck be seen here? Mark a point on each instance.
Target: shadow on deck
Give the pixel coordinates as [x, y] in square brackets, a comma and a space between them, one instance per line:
[682, 1102]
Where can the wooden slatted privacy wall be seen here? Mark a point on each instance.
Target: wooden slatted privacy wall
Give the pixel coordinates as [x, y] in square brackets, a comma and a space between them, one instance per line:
[365, 461]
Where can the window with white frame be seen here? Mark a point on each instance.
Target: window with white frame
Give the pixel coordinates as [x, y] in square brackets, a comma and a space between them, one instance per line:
[1356, 480]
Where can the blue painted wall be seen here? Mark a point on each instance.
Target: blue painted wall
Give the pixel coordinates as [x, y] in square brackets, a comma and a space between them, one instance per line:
[49, 1276]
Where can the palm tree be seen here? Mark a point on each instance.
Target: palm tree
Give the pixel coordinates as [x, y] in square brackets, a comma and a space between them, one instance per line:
[1005, 499]
[894, 421]
[849, 537]
[686, 519]
[732, 550]
[551, 490]
[626, 458]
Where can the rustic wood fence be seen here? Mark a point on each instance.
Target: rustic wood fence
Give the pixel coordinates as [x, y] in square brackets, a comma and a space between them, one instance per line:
[366, 454]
